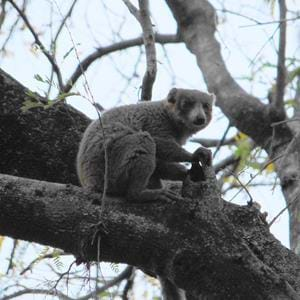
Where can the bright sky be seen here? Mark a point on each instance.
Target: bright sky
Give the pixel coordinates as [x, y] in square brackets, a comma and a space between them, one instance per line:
[245, 47]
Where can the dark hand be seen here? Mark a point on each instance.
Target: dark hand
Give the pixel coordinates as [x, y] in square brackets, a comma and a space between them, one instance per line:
[202, 155]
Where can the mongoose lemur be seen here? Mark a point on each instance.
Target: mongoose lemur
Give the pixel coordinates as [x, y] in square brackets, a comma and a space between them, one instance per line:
[135, 146]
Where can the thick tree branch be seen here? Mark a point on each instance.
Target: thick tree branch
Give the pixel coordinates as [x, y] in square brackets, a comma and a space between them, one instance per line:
[38, 143]
[85, 63]
[63, 216]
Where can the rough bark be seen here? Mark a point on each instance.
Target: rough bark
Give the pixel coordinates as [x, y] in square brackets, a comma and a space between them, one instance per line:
[196, 20]
[216, 249]
[203, 244]
[38, 143]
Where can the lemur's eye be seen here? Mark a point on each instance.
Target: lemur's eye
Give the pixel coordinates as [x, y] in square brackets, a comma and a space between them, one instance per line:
[206, 106]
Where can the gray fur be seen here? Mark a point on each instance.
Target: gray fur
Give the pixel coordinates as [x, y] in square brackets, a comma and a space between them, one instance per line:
[142, 143]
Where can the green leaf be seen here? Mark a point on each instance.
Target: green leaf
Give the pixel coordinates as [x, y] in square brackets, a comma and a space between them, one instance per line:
[58, 263]
[39, 78]
[290, 103]
[115, 267]
[69, 51]
[29, 104]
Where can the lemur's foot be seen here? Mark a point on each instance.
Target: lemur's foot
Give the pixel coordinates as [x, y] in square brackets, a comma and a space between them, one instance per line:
[150, 196]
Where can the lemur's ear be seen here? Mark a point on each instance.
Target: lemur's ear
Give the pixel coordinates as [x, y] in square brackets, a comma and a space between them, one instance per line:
[213, 97]
[172, 95]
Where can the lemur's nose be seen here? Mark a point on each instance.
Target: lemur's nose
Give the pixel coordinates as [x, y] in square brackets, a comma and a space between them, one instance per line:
[200, 120]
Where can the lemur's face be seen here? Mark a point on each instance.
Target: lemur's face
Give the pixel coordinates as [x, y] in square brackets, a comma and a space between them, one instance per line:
[191, 107]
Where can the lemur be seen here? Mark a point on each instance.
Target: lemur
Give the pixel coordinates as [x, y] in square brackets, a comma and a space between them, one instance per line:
[135, 146]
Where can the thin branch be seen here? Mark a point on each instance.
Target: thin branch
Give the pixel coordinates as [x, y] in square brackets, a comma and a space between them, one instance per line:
[2, 13]
[231, 159]
[271, 22]
[37, 292]
[12, 255]
[235, 185]
[50, 58]
[13, 27]
[124, 275]
[209, 143]
[281, 71]
[122, 45]
[149, 42]
[263, 46]
[250, 202]
[33, 262]
[259, 172]
[132, 9]
[297, 99]
[283, 210]
[63, 274]
[54, 40]
[63, 22]
[222, 140]
[129, 284]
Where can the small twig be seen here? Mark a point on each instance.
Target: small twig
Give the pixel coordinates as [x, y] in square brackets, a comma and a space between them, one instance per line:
[208, 143]
[63, 274]
[86, 85]
[259, 172]
[250, 202]
[283, 210]
[12, 255]
[231, 159]
[274, 124]
[271, 22]
[125, 274]
[54, 40]
[263, 46]
[279, 214]
[63, 22]
[222, 140]
[238, 186]
[30, 291]
[50, 58]
[12, 28]
[33, 262]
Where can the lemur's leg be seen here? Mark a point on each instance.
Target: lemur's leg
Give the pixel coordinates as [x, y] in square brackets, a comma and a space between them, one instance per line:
[171, 171]
[131, 160]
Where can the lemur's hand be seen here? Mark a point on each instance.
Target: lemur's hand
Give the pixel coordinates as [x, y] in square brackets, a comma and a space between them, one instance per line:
[202, 155]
